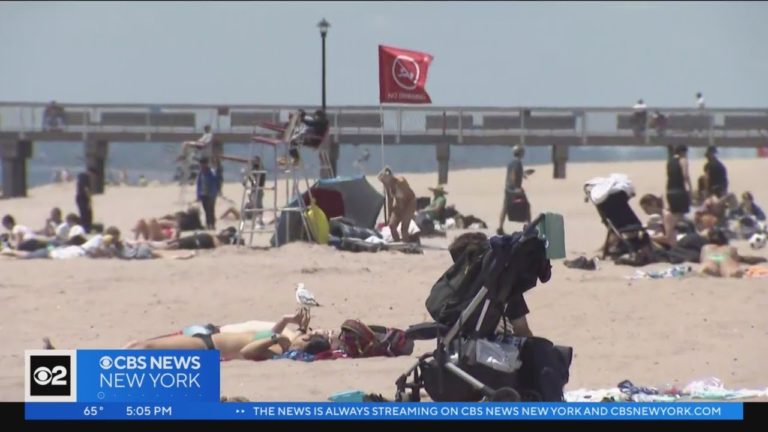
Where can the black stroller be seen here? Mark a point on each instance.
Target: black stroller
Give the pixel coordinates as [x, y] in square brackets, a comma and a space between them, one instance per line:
[473, 361]
[621, 222]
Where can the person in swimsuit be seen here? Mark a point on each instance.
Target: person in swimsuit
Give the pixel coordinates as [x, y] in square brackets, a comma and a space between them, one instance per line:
[155, 230]
[169, 226]
[718, 258]
[713, 211]
[198, 241]
[665, 233]
[678, 183]
[401, 204]
[247, 345]
[119, 248]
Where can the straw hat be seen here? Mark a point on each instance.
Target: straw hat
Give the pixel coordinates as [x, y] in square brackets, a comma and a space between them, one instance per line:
[438, 189]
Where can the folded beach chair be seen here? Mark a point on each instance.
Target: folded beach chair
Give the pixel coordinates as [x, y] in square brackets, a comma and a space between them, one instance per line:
[473, 360]
[621, 222]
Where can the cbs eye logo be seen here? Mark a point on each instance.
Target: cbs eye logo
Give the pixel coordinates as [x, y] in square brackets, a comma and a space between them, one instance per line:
[50, 376]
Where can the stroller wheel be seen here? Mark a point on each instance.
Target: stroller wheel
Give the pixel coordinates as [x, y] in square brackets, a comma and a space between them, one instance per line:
[505, 394]
[530, 396]
[401, 396]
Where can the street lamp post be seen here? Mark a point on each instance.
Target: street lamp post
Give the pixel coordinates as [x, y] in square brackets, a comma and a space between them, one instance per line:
[323, 25]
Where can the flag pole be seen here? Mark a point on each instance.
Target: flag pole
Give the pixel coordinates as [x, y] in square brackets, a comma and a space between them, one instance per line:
[384, 189]
[381, 113]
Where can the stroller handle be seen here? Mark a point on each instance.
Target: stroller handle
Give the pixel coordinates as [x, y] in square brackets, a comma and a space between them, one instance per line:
[532, 226]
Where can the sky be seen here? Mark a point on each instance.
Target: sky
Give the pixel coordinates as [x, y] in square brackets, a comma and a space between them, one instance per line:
[557, 54]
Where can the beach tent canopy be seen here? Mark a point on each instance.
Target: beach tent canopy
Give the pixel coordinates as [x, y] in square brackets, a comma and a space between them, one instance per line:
[362, 203]
[351, 197]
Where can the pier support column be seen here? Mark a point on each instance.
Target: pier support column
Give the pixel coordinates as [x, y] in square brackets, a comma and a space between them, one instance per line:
[95, 161]
[559, 159]
[443, 153]
[14, 155]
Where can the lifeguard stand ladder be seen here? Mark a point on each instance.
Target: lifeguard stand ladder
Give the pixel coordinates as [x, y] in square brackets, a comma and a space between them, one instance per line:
[248, 213]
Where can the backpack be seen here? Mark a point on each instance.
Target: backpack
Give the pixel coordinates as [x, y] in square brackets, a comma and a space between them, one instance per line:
[456, 287]
[360, 340]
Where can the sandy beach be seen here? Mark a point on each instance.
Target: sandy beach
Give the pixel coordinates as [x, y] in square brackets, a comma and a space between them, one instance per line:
[652, 332]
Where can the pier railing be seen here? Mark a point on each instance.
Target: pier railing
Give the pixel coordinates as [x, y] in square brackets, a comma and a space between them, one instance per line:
[736, 127]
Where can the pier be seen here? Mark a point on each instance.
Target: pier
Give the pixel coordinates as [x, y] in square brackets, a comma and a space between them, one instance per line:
[97, 125]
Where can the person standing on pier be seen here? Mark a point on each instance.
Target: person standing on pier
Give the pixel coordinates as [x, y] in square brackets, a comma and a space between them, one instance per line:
[640, 117]
[700, 101]
[207, 191]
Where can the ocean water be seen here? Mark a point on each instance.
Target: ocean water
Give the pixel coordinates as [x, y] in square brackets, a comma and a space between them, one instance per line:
[157, 161]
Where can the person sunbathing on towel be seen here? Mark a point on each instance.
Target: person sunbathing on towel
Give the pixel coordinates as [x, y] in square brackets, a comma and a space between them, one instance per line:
[193, 242]
[719, 259]
[167, 227]
[137, 250]
[401, 204]
[248, 345]
[155, 230]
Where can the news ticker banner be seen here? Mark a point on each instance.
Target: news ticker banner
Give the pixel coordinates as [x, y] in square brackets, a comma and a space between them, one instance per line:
[185, 385]
[384, 411]
[121, 376]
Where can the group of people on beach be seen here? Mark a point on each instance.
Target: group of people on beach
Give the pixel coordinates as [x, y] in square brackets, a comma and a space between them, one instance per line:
[710, 228]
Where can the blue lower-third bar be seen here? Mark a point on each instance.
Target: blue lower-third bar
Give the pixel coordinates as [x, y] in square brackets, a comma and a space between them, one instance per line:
[384, 411]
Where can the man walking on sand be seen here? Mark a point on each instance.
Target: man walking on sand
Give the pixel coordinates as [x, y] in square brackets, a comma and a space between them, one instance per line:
[515, 207]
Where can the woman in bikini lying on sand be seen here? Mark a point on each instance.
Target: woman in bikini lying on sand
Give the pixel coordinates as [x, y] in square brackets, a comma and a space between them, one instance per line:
[169, 226]
[246, 341]
[251, 340]
[719, 259]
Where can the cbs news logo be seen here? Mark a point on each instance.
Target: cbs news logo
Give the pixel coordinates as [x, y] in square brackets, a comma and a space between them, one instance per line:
[50, 376]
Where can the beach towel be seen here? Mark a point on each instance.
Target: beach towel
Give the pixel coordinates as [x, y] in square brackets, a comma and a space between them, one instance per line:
[298, 355]
[756, 272]
[672, 272]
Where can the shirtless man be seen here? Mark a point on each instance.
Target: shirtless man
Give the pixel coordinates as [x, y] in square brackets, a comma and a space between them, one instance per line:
[401, 204]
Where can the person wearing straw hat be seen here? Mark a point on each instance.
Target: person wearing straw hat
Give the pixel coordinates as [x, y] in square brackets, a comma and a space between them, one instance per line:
[436, 209]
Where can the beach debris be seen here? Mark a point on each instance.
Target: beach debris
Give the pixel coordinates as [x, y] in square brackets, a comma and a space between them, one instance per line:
[672, 272]
[706, 389]
[582, 263]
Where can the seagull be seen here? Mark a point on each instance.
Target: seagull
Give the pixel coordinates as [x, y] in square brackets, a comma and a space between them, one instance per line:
[305, 298]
